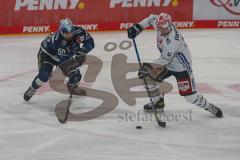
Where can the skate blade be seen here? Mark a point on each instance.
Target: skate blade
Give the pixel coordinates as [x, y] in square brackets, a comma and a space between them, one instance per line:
[160, 110]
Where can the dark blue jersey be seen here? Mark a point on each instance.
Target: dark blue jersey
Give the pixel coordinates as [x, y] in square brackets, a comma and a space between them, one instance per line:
[59, 50]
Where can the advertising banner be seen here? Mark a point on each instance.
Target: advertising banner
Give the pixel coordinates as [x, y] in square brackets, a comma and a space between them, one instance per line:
[34, 16]
[42, 16]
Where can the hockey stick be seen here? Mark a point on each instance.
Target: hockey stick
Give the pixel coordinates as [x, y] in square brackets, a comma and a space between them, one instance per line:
[64, 120]
[62, 109]
[160, 123]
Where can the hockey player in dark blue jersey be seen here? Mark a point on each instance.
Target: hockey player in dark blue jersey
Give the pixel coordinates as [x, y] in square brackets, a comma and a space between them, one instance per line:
[66, 48]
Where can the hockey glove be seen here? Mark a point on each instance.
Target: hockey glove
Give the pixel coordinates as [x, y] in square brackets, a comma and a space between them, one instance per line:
[134, 31]
[142, 73]
[74, 78]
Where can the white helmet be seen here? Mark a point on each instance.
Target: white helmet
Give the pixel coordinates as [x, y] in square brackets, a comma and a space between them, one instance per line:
[164, 20]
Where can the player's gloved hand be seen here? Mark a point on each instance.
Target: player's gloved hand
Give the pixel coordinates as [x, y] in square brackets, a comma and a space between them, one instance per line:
[134, 31]
[72, 86]
[142, 73]
[74, 78]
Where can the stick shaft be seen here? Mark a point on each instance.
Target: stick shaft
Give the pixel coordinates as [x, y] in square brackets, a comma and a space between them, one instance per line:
[140, 65]
[147, 89]
[68, 107]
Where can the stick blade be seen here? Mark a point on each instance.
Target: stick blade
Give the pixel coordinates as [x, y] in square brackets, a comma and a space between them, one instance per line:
[162, 124]
[61, 110]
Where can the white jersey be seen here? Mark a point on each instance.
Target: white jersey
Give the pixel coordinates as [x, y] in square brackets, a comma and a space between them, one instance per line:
[175, 54]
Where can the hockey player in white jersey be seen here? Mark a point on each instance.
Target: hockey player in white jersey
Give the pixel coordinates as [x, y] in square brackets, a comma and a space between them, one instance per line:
[175, 60]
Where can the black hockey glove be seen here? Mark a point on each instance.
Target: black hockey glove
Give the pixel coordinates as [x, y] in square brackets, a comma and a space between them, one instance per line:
[134, 31]
[142, 73]
[74, 78]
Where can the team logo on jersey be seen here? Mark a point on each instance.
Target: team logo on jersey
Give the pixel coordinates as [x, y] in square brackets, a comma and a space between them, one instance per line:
[61, 51]
[231, 6]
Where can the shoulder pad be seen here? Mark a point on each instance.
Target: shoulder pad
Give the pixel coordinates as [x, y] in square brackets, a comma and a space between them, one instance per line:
[57, 36]
[78, 30]
[177, 35]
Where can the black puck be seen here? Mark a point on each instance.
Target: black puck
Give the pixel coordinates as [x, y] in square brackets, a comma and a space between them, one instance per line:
[138, 127]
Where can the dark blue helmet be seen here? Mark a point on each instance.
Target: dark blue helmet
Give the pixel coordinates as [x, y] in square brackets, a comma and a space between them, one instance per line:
[66, 26]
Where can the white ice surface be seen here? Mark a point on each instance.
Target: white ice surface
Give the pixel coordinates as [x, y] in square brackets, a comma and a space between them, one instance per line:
[30, 131]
